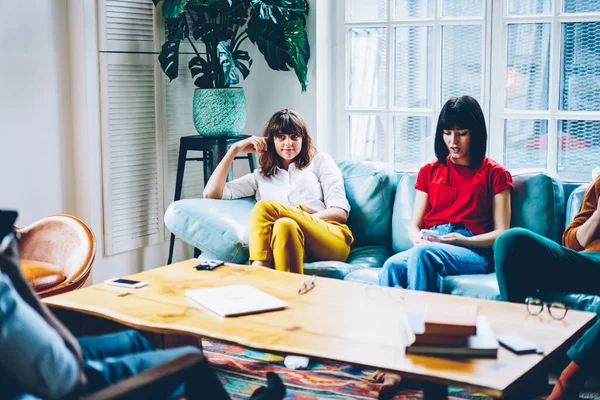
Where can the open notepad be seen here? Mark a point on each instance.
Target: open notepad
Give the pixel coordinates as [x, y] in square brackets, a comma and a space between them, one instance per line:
[232, 300]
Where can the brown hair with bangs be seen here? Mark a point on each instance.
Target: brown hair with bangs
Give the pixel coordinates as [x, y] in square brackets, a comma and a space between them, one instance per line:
[286, 122]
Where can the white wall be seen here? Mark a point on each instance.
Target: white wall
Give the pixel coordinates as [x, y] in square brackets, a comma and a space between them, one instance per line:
[268, 91]
[49, 108]
[36, 155]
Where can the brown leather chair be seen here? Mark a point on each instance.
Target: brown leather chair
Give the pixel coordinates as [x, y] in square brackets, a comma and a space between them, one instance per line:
[56, 253]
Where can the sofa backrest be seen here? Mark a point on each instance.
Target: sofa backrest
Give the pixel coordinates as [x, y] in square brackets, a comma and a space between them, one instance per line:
[370, 189]
[574, 203]
[537, 204]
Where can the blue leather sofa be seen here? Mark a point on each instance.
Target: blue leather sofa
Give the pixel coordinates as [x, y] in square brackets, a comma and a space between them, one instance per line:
[382, 202]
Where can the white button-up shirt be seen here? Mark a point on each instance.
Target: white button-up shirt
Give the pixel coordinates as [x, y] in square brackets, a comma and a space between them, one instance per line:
[318, 186]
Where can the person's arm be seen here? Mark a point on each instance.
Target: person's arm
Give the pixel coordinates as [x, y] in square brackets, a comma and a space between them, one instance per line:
[32, 354]
[585, 227]
[10, 267]
[501, 216]
[334, 193]
[333, 214]
[414, 229]
[216, 183]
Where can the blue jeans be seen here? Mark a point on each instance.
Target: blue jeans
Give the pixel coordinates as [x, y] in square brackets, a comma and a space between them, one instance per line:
[424, 266]
[111, 358]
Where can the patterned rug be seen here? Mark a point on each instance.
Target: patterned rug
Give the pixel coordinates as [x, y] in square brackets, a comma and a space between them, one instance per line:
[242, 370]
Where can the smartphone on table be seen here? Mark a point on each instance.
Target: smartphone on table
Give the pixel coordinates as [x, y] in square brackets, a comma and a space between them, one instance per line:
[518, 344]
[209, 265]
[129, 283]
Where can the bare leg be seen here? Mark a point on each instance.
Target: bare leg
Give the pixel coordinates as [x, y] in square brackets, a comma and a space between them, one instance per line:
[257, 263]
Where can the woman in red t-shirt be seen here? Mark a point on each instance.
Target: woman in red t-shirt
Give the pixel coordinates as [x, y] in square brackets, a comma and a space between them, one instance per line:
[463, 197]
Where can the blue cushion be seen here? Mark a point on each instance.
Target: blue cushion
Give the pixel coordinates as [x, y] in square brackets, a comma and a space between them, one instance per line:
[360, 258]
[574, 203]
[370, 188]
[219, 228]
[537, 204]
[483, 286]
[368, 276]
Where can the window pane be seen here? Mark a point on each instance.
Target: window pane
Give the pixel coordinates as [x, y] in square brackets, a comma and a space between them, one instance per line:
[580, 67]
[461, 61]
[370, 10]
[578, 149]
[462, 8]
[368, 141]
[580, 6]
[413, 142]
[411, 72]
[368, 55]
[525, 143]
[521, 7]
[405, 9]
[528, 66]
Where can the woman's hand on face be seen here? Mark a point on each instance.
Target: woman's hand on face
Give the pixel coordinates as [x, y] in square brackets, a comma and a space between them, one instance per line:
[453, 238]
[253, 144]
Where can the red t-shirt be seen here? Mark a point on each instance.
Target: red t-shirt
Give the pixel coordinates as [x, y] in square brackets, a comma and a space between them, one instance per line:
[459, 194]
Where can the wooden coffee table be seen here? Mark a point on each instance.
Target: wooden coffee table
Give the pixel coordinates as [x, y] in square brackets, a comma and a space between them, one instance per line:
[337, 320]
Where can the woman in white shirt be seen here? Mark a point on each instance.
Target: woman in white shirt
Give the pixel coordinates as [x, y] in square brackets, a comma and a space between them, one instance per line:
[302, 207]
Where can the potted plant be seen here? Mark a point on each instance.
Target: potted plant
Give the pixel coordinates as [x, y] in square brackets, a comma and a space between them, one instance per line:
[276, 27]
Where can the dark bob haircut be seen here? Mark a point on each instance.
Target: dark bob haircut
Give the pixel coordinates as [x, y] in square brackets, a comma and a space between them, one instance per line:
[462, 112]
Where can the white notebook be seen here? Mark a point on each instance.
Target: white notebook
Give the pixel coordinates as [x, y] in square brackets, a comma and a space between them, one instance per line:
[232, 300]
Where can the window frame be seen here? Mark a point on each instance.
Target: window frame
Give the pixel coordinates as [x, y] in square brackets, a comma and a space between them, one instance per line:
[494, 48]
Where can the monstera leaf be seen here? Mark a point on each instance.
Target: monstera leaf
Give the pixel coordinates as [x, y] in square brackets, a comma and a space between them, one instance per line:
[276, 27]
[230, 61]
[201, 72]
[270, 41]
[279, 11]
[298, 49]
[169, 54]
[238, 15]
[173, 8]
[283, 46]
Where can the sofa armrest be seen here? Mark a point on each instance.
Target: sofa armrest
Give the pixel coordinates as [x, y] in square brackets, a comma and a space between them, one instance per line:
[219, 228]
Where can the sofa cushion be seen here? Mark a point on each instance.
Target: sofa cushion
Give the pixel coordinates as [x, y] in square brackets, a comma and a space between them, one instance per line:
[41, 275]
[219, 228]
[360, 258]
[574, 203]
[368, 276]
[484, 286]
[370, 189]
[537, 204]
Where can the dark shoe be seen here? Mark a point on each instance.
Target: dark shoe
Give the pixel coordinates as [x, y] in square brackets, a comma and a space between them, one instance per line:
[275, 389]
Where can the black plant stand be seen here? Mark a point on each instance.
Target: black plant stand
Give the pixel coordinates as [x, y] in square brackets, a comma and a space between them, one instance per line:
[213, 150]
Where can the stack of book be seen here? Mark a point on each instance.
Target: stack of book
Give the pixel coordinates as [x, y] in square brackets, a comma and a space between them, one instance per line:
[448, 329]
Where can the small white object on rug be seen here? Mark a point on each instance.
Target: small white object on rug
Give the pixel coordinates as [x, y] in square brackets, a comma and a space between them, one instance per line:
[296, 362]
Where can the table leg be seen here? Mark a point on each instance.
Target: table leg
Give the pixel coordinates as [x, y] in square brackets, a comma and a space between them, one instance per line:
[434, 391]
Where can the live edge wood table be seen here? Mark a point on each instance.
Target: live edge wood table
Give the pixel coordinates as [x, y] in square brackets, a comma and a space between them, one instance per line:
[337, 320]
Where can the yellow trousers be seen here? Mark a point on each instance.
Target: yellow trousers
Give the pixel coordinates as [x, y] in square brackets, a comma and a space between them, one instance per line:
[283, 234]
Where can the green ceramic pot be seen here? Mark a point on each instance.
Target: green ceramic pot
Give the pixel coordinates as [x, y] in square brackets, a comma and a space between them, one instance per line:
[219, 112]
